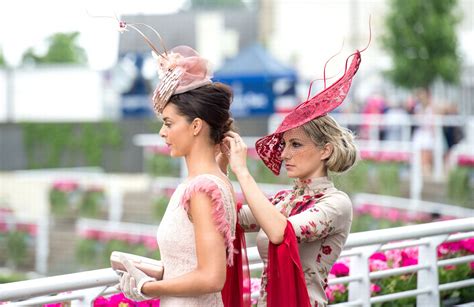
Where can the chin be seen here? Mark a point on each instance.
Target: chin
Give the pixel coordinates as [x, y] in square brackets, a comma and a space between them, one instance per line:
[291, 174]
[176, 154]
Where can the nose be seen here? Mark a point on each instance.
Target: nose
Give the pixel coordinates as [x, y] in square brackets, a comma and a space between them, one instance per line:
[285, 155]
[162, 131]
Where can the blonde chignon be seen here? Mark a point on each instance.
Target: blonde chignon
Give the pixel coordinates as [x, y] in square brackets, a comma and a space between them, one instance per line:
[324, 130]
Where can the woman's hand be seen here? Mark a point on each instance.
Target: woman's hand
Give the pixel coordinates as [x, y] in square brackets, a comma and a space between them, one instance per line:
[238, 153]
[132, 281]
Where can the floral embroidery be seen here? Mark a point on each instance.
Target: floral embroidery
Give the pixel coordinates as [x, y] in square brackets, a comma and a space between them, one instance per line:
[301, 206]
[306, 231]
[327, 229]
[326, 249]
[318, 258]
[279, 197]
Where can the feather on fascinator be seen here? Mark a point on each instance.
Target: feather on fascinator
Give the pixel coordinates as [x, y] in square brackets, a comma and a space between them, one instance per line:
[179, 70]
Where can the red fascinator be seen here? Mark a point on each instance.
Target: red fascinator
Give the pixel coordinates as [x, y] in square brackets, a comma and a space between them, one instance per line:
[270, 147]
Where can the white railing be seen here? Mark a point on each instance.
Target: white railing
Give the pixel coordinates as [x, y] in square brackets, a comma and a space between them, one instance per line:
[359, 247]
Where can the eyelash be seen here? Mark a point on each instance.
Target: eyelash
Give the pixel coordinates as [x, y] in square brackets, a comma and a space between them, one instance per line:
[167, 125]
[293, 144]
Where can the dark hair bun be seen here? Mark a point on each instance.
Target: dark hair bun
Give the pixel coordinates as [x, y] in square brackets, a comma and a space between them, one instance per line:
[211, 103]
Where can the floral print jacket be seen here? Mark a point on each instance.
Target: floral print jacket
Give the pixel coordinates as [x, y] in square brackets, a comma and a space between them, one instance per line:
[321, 216]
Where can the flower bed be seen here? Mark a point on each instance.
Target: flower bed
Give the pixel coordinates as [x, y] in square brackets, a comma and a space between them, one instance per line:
[405, 257]
[16, 239]
[117, 300]
[68, 198]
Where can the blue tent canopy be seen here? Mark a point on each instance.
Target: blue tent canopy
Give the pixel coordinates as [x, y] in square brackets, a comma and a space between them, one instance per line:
[258, 80]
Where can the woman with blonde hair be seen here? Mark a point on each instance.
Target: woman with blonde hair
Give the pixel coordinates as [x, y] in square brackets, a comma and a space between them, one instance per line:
[302, 231]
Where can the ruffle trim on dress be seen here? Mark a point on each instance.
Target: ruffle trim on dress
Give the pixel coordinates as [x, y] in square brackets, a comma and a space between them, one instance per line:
[208, 186]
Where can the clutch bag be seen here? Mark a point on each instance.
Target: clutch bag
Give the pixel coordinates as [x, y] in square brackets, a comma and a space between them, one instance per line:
[151, 267]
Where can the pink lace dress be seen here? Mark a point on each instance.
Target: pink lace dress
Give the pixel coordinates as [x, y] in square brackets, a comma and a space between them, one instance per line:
[176, 234]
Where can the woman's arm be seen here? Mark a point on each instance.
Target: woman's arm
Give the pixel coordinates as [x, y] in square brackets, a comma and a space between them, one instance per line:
[268, 217]
[210, 273]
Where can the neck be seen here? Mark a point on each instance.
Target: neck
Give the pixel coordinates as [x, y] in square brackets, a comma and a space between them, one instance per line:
[320, 172]
[201, 159]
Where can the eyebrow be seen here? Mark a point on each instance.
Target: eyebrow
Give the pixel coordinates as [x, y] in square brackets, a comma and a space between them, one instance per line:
[292, 140]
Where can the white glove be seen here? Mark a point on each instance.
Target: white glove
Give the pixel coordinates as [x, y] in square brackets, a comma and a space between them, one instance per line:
[132, 281]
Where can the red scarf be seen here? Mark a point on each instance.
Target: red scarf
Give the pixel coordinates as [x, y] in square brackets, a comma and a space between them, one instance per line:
[286, 284]
[236, 291]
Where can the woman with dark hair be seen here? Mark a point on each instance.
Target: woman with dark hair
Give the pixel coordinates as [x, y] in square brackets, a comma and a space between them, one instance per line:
[197, 232]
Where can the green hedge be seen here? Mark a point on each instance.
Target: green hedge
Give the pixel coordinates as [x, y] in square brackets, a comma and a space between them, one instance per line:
[50, 145]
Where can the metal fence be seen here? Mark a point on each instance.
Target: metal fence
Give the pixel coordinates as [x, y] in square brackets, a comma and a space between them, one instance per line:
[359, 247]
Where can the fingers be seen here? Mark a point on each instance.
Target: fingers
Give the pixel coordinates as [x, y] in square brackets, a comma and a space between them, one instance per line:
[127, 264]
[125, 283]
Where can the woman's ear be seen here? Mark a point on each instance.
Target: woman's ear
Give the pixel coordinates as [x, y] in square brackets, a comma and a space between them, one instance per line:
[197, 126]
[327, 151]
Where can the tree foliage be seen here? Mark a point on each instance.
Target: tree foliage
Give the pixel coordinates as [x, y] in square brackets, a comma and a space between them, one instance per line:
[421, 39]
[2, 59]
[62, 48]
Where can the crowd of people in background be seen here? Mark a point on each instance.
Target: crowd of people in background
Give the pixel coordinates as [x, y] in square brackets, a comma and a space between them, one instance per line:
[421, 132]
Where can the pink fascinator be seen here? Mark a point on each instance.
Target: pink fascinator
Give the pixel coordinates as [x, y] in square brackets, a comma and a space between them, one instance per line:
[180, 70]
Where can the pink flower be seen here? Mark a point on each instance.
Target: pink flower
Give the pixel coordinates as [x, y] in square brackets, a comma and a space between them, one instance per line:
[411, 252]
[393, 215]
[150, 243]
[365, 208]
[378, 256]
[65, 185]
[254, 288]
[329, 294]
[101, 301]
[377, 212]
[255, 285]
[407, 260]
[394, 258]
[468, 245]
[377, 265]
[449, 267]
[442, 250]
[471, 265]
[120, 300]
[340, 269]
[453, 246]
[374, 288]
[338, 288]
[91, 234]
